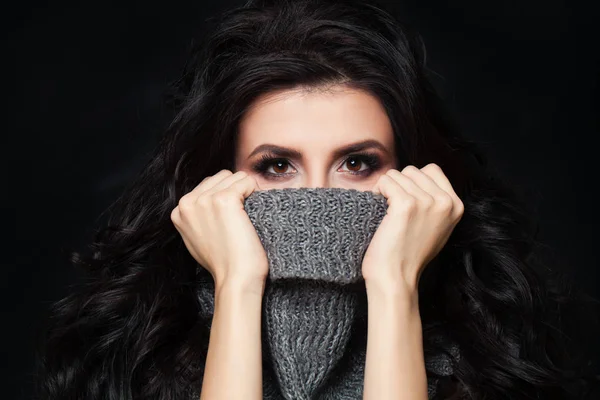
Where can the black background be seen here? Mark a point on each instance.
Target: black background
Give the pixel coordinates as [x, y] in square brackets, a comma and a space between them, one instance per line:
[82, 104]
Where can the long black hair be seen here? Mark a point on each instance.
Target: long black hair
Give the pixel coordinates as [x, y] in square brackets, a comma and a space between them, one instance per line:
[132, 329]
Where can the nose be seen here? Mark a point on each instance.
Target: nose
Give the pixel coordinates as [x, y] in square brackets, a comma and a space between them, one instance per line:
[317, 181]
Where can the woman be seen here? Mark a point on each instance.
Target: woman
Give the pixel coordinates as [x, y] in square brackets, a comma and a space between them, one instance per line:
[314, 94]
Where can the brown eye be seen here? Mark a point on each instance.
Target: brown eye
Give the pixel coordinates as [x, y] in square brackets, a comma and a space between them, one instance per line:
[280, 167]
[273, 167]
[353, 164]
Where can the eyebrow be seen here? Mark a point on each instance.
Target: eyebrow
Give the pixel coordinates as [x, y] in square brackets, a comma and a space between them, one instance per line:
[287, 152]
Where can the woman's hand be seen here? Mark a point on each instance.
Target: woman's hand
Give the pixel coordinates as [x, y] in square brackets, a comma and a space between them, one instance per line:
[217, 230]
[423, 209]
[220, 236]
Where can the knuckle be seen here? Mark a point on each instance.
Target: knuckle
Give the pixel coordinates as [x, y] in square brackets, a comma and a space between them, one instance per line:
[185, 204]
[460, 207]
[428, 202]
[408, 204]
[411, 168]
[385, 177]
[388, 180]
[175, 214]
[433, 167]
[223, 198]
[444, 201]
[203, 201]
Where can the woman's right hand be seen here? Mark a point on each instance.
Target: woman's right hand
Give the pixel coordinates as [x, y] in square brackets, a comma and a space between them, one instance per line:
[217, 230]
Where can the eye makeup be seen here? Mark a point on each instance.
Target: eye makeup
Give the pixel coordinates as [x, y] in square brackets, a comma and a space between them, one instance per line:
[266, 161]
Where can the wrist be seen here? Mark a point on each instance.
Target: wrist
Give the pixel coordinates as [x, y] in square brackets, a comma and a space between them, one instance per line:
[391, 292]
[240, 285]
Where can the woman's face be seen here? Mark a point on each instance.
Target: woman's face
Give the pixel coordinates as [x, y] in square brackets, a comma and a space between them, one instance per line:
[292, 139]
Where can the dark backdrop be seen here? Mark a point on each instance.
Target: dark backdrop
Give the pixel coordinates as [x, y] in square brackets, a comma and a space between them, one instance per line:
[82, 94]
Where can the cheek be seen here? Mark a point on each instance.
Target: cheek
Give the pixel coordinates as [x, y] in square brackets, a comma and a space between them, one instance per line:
[266, 184]
[362, 184]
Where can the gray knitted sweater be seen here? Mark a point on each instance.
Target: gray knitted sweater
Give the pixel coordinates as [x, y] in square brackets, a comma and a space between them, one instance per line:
[314, 316]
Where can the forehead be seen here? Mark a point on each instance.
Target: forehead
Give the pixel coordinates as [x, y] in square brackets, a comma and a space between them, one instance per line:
[295, 118]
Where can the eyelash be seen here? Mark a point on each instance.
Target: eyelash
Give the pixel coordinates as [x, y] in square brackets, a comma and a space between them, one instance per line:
[266, 161]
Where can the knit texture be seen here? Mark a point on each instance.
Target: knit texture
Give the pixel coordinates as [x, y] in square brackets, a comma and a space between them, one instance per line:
[314, 321]
[322, 233]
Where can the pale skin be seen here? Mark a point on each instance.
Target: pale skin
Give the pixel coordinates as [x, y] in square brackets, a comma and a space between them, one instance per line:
[423, 209]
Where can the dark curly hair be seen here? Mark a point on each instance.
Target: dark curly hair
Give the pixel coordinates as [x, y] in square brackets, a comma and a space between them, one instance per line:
[132, 329]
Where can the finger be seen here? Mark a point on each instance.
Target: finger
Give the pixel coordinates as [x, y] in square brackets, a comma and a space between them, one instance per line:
[175, 216]
[225, 183]
[389, 188]
[437, 175]
[243, 187]
[410, 186]
[423, 180]
[209, 182]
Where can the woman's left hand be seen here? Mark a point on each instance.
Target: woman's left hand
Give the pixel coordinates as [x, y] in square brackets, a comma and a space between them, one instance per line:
[423, 210]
